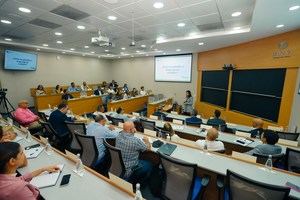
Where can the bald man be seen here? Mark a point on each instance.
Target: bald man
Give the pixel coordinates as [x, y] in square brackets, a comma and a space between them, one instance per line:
[210, 141]
[257, 124]
[25, 117]
[137, 171]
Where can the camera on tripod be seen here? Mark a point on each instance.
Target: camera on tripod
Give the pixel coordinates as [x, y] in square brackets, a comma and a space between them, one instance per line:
[3, 91]
[4, 102]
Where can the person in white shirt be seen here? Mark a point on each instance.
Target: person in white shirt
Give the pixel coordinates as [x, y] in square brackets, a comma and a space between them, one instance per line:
[143, 92]
[110, 90]
[210, 141]
[85, 87]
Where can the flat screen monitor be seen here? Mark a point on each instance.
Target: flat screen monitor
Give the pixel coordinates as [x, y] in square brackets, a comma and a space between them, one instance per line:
[173, 68]
[17, 60]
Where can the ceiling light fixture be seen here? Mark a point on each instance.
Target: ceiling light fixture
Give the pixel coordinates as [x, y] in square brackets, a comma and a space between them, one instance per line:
[24, 10]
[143, 46]
[59, 42]
[7, 39]
[81, 27]
[158, 5]
[236, 14]
[86, 47]
[123, 48]
[280, 26]
[106, 50]
[181, 24]
[178, 49]
[4, 21]
[45, 45]
[92, 51]
[58, 33]
[72, 49]
[294, 8]
[111, 17]
[63, 52]
[137, 51]
[237, 28]
[38, 49]
[201, 43]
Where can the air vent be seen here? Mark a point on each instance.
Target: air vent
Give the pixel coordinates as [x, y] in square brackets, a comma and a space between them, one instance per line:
[69, 12]
[211, 27]
[44, 23]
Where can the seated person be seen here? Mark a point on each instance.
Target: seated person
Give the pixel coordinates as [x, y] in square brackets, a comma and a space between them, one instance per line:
[125, 88]
[258, 128]
[100, 132]
[159, 113]
[111, 90]
[84, 87]
[194, 119]
[126, 95]
[168, 128]
[66, 95]
[40, 90]
[7, 136]
[57, 120]
[58, 89]
[11, 187]
[120, 115]
[137, 171]
[210, 141]
[134, 92]
[113, 85]
[25, 117]
[143, 92]
[98, 91]
[118, 95]
[73, 88]
[216, 121]
[269, 147]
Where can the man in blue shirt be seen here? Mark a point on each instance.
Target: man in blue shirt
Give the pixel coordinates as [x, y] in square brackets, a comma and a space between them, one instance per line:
[194, 119]
[137, 171]
[73, 88]
[100, 132]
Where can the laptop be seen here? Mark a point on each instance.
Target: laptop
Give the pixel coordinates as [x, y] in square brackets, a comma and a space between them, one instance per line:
[167, 149]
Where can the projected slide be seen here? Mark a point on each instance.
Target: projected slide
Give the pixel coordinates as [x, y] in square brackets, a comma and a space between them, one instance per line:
[175, 68]
[15, 60]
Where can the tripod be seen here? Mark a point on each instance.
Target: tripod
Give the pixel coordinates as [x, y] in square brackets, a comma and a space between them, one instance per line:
[5, 103]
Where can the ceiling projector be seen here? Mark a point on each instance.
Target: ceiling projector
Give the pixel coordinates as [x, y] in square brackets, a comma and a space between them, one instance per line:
[101, 41]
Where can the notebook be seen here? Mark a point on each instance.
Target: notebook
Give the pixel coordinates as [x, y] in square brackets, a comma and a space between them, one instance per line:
[46, 179]
[33, 152]
[167, 149]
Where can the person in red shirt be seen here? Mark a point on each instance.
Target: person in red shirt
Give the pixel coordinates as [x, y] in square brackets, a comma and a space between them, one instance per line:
[25, 117]
[16, 188]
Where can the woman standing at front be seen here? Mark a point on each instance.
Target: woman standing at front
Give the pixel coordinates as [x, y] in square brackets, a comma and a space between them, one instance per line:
[188, 103]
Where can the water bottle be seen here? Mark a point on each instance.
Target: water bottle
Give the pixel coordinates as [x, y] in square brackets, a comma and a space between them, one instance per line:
[48, 148]
[269, 163]
[138, 194]
[79, 166]
[28, 136]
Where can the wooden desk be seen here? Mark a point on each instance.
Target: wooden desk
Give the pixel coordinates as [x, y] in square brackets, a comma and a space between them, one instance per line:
[129, 105]
[80, 106]
[151, 107]
[42, 102]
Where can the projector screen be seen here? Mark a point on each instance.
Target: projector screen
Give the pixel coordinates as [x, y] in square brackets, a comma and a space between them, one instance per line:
[173, 68]
[16, 60]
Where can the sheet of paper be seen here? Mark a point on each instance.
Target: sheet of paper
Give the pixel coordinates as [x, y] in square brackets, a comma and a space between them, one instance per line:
[34, 152]
[46, 179]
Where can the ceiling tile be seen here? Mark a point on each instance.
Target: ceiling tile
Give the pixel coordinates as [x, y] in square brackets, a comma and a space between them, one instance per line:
[89, 6]
[130, 9]
[200, 9]
[206, 19]
[148, 6]
[28, 30]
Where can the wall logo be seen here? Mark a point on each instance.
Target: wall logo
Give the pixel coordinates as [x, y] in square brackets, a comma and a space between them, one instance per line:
[283, 50]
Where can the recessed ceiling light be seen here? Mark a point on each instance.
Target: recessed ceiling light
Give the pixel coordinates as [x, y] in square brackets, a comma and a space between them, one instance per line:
[86, 47]
[279, 26]
[111, 17]
[158, 5]
[178, 49]
[4, 21]
[131, 56]
[99, 56]
[137, 51]
[108, 54]
[59, 42]
[236, 14]
[38, 49]
[119, 57]
[7, 39]
[201, 43]
[72, 49]
[123, 48]
[165, 53]
[58, 33]
[45, 45]
[181, 24]
[294, 7]
[106, 50]
[143, 46]
[81, 27]
[237, 28]
[25, 10]
[92, 51]
[63, 52]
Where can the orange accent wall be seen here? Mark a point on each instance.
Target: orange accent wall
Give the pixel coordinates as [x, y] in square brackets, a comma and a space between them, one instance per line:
[256, 54]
